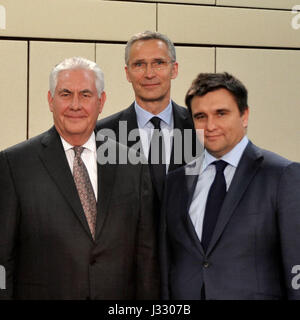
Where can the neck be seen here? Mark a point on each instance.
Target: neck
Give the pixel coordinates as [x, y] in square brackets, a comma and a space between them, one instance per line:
[76, 140]
[154, 107]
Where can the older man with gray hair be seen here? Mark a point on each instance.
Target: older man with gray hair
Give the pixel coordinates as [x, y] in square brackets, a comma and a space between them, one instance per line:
[69, 227]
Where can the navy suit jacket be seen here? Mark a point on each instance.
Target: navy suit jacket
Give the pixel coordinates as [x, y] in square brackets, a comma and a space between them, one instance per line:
[256, 241]
[182, 121]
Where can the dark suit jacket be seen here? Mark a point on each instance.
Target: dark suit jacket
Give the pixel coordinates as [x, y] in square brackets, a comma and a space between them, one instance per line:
[45, 242]
[256, 241]
[182, 120]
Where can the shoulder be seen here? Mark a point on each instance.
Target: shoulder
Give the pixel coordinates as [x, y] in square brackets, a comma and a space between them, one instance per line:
[29, 145]
[112, 121]
[269, 158]
[179, 109]
[271, 164]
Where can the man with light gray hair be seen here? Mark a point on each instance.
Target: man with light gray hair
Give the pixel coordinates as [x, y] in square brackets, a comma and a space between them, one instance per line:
[150, 66]
[69, 226]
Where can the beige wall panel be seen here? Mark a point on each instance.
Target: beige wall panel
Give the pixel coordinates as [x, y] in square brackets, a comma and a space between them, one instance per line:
[227, 26]
[272, 79]
[191, 61]
[77, 19]
[13, 92]
[273, 4]
[43, 57]
[110, 57]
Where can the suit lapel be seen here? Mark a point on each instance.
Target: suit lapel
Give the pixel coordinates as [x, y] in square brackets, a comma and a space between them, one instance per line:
[246, 170]
[129, 115]
[191, 178]
[54, 159]
[181, 122]
[106, 178]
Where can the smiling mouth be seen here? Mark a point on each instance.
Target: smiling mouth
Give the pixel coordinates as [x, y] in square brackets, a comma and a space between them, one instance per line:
[75, 117]
[213, 137]
[150, 85]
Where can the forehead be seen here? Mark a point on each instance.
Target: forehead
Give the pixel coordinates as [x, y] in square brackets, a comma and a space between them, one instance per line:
[147, 49]
[214, 100]
[74, 78]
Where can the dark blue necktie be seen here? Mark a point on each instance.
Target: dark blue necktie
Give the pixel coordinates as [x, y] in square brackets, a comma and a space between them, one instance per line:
[214, 203]
[156, 159]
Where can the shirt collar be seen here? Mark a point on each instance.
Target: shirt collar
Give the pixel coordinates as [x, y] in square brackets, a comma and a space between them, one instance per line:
[90, 144]
[232, 157]
[143, 116]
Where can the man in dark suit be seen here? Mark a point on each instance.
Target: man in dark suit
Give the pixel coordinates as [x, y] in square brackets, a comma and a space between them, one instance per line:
[151, 65]
[233, 215]
[69, 226]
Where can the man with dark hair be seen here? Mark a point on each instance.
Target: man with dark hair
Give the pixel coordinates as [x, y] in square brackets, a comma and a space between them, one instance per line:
[70, 228]
[233, 230]
[151, 65]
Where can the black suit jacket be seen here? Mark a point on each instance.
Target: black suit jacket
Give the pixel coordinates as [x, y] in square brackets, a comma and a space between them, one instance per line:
[45, 243]
[256, 242]
[182, 121]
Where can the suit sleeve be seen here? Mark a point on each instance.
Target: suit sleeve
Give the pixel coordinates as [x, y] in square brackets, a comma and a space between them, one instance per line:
[289, 225]
[147, 256]
[8, 227]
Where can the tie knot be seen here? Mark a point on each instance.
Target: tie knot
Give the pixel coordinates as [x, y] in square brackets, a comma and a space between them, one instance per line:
[220, 165]
[78, 151]
[156, 122]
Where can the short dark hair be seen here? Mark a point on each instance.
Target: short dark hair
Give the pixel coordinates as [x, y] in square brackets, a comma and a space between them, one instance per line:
[207, 82]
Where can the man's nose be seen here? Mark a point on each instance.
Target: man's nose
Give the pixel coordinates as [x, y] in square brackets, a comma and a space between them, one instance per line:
[75, 103]
[149, 71]
[210, 124]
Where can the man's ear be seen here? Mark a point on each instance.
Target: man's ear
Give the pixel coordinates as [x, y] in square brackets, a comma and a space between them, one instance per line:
[102, 100]
[50, 101]
[174, 71]
[127, 74]
[245, 117]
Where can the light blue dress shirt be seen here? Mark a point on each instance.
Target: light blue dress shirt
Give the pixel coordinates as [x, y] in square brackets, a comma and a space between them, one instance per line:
[146, 129]
[206, 178]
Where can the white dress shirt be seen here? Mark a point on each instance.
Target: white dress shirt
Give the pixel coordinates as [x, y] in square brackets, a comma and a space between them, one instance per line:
[206, 178]
[88, 156]
[146, 129]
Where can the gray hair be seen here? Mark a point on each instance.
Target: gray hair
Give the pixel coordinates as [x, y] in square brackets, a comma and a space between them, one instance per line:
[150, 35]
[77, 63]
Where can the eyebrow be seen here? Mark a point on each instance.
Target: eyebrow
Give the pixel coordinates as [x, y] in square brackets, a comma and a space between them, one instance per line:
[86, 91]
[154, 59]
[64, 90]
[68, 91]
[223, 110]
[216, 111]
[197, 114]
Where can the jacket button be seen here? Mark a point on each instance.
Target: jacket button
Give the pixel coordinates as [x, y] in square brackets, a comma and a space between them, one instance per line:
[206, 264]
